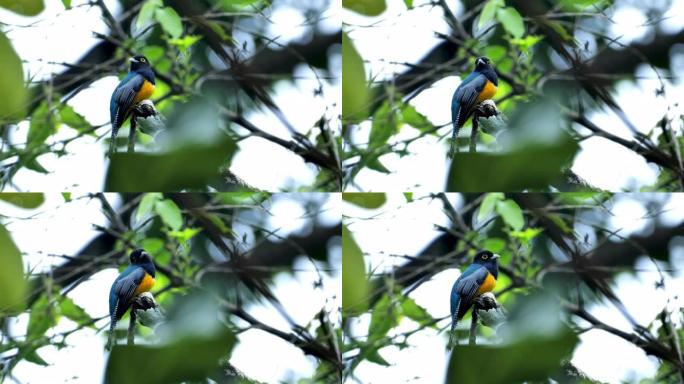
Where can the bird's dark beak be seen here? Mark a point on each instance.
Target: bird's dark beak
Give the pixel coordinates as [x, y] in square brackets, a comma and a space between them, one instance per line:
[495, 256]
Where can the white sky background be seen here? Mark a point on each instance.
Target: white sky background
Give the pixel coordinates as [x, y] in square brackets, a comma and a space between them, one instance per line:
[260, 163]
[63, 228]
[400, 228]
[399, 36]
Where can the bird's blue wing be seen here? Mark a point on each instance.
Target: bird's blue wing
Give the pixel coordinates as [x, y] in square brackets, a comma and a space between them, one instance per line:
[463, 101]
[122, 290]
[122, 98]
[465, 288]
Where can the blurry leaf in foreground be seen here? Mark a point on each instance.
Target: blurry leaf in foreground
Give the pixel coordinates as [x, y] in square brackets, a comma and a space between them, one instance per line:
[23, 200]
[24, 8]
[191, 167]
[192, 359]
[12, 91]
[368, 200]
[12, 283]
[354, 284]
[532, 166]
[365, 7]
[355, 92]
[525, 360]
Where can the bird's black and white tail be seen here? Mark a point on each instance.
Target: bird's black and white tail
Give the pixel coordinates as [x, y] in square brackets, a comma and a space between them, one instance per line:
[454, 322]
[112, 325]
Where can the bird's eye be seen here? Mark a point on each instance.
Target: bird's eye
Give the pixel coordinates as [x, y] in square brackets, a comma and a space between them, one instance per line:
[485, 257]
[142, 60]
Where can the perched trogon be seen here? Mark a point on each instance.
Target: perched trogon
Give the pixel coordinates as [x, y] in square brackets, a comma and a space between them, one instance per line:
[138, 85]
[479, 86]
[478, 278]
[137, 278]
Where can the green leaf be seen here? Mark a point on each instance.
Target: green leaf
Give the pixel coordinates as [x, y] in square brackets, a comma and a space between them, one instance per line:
[408, 196]
[185, 235]
[24, 8]
[170, 21]
[489, 11]
[368, 200]
[488, 204]
[494, 244]
[75, 313]
[513, 171]
[43, 125]
[527, 235]
[191, 359]
[186, 42]
[409, 4]
[385, 125]
[355, 93]
[146, 204]
[383, 317]
[73, 119]
[373, 162]
[172, 171]
[511, 213]
[578, 5]
[26, 200]
[169, 213]
[67, 4]
[528, 42]
[31, 162]
[12, 90]
[512, 21]
[365, 7]
[354, 283]
[152, 245]
[373, 355]
[147, 12]
[33, 356]
[415, 312]
[12, 282]
[412, 117]
[518, 362]
[41, 319]
[66, 196]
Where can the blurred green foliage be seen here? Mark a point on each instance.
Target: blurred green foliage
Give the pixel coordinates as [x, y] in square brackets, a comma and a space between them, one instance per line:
[354, 284]
[192, 167]
[12, 89]
[522, 361]
[23, 7]
[185, 360]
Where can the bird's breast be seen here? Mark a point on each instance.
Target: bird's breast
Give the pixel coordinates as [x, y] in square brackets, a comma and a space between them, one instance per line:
[146, 90]
[487, 92]
[145, 285]
[487, 285]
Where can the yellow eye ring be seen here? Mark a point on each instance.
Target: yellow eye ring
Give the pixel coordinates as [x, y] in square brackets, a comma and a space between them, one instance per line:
[485, 257]
[142, 60]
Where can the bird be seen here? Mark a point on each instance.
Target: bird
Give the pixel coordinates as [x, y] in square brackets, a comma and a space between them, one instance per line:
[480, 277]
[138, 85]
[136, 279]
[479, 86]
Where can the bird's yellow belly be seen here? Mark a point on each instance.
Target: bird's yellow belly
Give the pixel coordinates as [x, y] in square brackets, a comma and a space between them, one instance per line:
[144, 93]
[145, 285]
[488, 285]
[487, 93]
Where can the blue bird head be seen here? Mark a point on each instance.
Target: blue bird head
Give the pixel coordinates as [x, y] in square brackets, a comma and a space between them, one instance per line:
[487, 259]
[143, 259]
[139, 62]
[482, 63]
